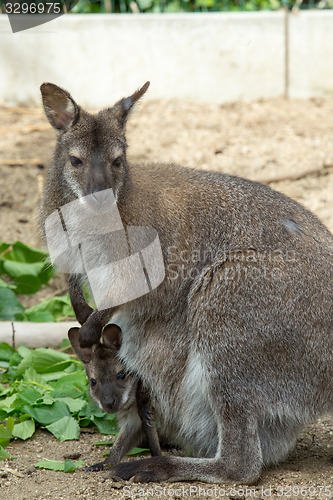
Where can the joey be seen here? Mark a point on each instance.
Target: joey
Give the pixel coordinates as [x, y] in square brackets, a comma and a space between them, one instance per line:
[116, 391]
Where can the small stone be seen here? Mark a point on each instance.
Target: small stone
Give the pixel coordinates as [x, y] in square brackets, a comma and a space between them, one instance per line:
[30, 470]
[3, 473]
[117, 485]
[72, 456]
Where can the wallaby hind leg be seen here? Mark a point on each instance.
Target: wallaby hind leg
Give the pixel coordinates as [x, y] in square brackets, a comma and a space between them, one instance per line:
[238, 458]
[147, 419]
[277, 438]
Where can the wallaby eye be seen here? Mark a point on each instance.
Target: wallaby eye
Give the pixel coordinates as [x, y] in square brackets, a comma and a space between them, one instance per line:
[121, 375]
[117, 162]
[76, 162]
[93, 382]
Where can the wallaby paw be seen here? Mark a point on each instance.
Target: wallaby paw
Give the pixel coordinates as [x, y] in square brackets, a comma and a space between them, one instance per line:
[83, 313]
[96, 467]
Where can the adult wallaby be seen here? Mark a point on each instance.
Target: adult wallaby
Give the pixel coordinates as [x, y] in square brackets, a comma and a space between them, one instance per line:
[236, 345]
[116, 391]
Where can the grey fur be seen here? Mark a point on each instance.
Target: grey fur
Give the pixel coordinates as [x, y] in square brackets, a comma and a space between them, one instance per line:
[235, 346]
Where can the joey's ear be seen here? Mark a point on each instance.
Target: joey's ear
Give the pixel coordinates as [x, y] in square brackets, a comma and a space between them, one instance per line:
[83, 353]
[60, 108]
[122, 108]
[112, 336]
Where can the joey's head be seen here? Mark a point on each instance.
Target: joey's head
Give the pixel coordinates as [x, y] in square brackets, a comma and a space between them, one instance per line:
[109, 385]
[90, 156]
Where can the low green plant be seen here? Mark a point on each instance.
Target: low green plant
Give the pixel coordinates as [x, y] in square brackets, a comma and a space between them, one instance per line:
[25, 270]
[45, 388]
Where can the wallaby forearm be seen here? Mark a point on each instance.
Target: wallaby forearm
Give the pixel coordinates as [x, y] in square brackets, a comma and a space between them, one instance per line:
[81, 308]
[92, 321]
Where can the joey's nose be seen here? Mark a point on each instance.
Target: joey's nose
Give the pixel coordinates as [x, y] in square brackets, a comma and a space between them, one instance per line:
[109, 405]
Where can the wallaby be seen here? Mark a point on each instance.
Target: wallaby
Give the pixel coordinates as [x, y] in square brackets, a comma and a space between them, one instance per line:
[116, 391]
[236, 345]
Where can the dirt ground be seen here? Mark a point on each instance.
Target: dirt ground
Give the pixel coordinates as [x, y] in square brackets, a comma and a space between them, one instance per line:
[285, 141]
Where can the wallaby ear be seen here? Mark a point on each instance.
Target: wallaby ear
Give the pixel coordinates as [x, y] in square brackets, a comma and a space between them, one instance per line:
[60, 108]
[83, 353]
[124, 106]
[112, 336]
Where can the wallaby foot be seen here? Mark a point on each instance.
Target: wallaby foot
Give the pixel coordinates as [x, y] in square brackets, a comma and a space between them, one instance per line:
[159, 469]
[96, 467]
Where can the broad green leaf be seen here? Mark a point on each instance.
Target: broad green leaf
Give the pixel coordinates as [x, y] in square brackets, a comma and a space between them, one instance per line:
[72, 385]
[70, 466]
[8, 402]
[10, 307]
[26, 266]
[51, 310]
[47, 414]
[65, 429]
[4, 454]
[20, 252]
[6, 351]
[29, 395]
[5, 435]
[10, 424]
[44, 361]
[106, 424]
[74, 405]
[24, 430]
[66, 466]
[50, 465]
[23, 351]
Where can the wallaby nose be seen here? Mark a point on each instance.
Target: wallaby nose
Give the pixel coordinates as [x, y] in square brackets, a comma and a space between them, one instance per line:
[109, 405]
[100, 195]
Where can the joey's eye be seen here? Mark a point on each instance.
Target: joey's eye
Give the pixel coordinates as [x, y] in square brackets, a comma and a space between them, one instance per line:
[117, 162]
[76, 162]
[93, 382]
[121, 375]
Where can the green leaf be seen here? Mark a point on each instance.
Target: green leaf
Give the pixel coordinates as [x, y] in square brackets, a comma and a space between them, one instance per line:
[50, 465]
[29, 395]
[74, 405]
[70, 466]
[72, 385]
[66, 466]
[10, 424]
[44, 361]
[23, 351]
[10, 307]
[51, 309]
[6, 351]
[106, 424]
[47, 414]
[104, 443]
[65, 429]
[137, 451]
[25, 266]
[8, 402]
[4, 454]
[5, 435]
[24, 430]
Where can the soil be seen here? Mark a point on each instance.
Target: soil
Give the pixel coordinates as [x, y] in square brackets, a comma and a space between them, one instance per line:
[289, 141]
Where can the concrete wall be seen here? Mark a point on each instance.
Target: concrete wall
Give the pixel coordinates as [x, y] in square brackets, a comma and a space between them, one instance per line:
[311, 53]
[201, 57]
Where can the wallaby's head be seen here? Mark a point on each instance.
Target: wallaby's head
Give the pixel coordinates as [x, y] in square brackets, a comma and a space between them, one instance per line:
[110, 386]
[91, 149]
